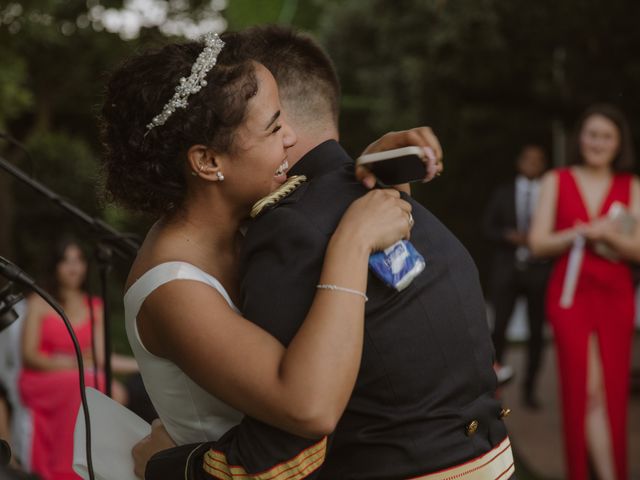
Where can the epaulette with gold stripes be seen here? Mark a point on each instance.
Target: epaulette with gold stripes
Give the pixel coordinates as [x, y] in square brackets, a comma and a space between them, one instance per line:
[277, 195]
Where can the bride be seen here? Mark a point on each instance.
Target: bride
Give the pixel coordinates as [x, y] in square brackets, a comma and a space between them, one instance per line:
[199, 156]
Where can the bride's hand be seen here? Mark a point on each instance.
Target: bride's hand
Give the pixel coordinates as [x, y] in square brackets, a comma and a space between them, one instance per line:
[418, 137]
[378, 219]
[146, 448]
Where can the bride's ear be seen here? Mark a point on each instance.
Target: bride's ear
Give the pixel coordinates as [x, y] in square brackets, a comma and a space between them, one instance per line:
[205, 163]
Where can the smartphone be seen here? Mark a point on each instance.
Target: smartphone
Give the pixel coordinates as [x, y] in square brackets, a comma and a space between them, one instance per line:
[393, 167]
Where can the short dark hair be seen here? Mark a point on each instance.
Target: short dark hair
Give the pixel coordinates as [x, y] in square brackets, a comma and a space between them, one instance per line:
[625, 158]
[532, 146]
[146, 172]
[305, 74]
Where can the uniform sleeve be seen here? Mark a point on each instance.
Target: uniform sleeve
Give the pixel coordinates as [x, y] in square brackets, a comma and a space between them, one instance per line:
[249, 451]
[282, 261]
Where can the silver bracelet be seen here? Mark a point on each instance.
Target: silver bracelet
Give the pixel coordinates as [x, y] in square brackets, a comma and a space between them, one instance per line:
[326, 286]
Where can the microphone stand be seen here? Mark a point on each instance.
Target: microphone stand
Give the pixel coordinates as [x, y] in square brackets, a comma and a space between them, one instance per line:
[15, 274]
[110, 242]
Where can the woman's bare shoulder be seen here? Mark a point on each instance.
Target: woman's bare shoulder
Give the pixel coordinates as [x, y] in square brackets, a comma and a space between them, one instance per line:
[550, 178]
[36, 305]
[157, 248]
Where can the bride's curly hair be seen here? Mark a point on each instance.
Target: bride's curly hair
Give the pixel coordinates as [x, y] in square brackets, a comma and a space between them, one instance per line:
[147, 173]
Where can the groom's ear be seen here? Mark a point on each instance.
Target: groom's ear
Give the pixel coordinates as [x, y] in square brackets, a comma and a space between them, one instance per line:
[204, 162]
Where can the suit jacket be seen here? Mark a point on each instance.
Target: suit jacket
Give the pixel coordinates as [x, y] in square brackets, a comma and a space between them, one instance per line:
[426, 369]
[500, 216]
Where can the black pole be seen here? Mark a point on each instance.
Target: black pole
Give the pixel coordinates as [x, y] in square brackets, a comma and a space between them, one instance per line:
[110, 241]
[105, 258]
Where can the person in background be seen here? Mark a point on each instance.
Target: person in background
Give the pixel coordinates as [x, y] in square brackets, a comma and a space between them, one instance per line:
[48, 382]
[5, 415]
[593, 327]
[515, 271]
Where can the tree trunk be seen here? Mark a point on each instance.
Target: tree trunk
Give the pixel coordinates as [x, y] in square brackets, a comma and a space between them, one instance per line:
[6, 216]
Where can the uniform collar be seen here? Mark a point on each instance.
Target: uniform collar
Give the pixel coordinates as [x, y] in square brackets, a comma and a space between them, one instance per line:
[324, 158]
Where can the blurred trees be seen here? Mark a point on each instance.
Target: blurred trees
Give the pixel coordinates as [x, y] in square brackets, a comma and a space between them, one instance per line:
[54, 58]
[488, 75]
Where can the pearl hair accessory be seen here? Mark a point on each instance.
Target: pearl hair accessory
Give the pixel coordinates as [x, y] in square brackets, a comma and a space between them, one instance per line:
[194, 82]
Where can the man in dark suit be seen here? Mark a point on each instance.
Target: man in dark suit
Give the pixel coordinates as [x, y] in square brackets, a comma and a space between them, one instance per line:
[424, 398]
[514, 271]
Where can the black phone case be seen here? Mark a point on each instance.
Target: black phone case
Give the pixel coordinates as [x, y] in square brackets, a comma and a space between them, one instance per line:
[397, 170]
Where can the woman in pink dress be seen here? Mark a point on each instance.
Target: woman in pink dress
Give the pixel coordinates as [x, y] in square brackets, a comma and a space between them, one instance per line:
[593, 332]
[49, 383]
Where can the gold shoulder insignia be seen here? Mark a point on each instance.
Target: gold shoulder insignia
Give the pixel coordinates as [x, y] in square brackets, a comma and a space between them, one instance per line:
[276, 196]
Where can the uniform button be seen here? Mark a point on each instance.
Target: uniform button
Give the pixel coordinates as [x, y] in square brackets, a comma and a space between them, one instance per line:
[505, 412]
[472, 428]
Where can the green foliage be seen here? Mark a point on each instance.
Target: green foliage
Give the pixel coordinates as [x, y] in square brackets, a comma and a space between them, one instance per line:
[15, 97]
[243, 13]
[303, 14]
[487, 75]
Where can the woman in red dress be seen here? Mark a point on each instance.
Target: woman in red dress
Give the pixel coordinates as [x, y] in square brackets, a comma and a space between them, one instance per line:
[48, 383]
[593, 333]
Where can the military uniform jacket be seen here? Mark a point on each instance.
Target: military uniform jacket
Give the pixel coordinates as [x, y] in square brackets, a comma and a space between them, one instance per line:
[426, 371]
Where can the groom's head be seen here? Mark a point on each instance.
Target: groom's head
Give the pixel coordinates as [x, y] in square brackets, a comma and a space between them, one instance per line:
[307, 80]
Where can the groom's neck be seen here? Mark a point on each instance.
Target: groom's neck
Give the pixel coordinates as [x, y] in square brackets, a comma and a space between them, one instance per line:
[308, 140]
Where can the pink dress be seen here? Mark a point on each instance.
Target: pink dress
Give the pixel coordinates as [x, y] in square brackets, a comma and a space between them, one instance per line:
[603, 305]
[53, 398]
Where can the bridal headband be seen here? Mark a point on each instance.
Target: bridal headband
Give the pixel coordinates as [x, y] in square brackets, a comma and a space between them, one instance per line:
[194, 82]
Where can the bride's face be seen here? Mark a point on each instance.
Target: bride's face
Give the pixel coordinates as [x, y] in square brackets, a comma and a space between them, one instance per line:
[257, 164]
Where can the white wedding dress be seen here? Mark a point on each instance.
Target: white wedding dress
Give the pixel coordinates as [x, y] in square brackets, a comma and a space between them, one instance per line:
[188, 412]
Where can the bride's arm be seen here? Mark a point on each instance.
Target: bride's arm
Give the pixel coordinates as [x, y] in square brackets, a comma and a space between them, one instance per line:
[304, 388]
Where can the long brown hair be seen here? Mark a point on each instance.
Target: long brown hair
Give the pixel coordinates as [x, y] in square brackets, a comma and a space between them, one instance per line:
[625, 158]
[57, 256]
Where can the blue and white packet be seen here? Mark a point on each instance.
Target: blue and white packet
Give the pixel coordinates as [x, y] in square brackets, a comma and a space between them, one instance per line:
[398, 265]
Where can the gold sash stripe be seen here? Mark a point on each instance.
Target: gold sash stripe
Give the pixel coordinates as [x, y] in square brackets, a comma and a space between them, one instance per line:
[497, 464]
[299, 467]
[274, 197]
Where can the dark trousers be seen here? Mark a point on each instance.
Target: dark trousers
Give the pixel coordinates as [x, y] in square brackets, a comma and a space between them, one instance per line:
[508, 283]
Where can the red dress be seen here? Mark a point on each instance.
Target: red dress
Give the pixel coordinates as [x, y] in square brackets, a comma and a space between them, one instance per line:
[53, 398]
[603, 304]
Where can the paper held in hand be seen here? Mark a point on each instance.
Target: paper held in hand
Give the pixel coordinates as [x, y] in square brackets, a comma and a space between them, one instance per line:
[114, 431]
[624, 222]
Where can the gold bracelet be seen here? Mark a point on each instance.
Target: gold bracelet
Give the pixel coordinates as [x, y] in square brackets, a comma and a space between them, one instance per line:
[326, 286]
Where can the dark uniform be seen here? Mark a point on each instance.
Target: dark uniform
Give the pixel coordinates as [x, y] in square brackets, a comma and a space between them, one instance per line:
[424, 397]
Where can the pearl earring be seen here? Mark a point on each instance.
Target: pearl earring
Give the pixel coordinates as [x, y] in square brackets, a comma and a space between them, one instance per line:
[220, 176]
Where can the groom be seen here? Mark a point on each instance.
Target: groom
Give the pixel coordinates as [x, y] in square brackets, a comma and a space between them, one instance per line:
[424, 399]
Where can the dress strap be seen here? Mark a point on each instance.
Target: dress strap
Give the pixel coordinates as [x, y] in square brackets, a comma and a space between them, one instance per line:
[165, 273]
[564, 177]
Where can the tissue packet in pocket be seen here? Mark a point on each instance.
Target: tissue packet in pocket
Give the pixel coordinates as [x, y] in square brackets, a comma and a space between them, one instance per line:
[398, 265]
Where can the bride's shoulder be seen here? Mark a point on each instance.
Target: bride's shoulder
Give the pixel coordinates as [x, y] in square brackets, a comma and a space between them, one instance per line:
[158, 248]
